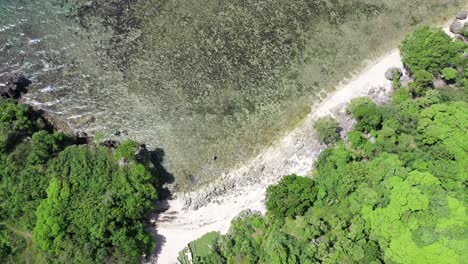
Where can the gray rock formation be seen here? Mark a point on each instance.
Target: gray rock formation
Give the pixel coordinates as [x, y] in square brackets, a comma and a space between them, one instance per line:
[456, 27]
[462, 14]
[405, 81]
[439, 83]
[390, 72]
[16, 85]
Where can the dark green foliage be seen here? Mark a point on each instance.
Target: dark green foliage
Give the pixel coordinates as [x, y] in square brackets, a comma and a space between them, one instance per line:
[449, 74]
[15, 122]
[422, 81]
[291, 196]
[429, 50]
[94, 208]
[126, 150]
[327, 130]
[356, 139]
[366, 113]
[91, 210]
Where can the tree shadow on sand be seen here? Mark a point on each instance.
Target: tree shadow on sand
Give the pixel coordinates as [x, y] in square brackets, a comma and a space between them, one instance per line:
[162, 204]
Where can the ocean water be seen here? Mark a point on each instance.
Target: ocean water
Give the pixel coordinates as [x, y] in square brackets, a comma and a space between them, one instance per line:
[211, 82]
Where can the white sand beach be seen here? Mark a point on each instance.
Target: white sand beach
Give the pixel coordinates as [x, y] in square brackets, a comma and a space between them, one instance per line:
[294, 154]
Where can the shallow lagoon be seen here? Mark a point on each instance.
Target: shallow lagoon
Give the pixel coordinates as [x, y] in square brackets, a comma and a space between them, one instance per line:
[210, 82]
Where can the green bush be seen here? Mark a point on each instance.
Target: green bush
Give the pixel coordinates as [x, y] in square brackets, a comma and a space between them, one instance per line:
[449, 74]
[429, 50]
[356, 139]
[291, 196]
[327, 130]
[422, 82]
[366, 113]
[94, 209]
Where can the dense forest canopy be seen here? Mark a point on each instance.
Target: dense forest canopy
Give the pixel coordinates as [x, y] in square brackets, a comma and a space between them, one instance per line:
[394, 191]
[67, 203]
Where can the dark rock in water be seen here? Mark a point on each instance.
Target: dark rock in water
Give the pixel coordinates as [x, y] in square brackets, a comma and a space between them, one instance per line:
[81, 138]
[462, 14]
[142, 154]
[110, 144]
[390, 72]
[456, 27]
[15, 87]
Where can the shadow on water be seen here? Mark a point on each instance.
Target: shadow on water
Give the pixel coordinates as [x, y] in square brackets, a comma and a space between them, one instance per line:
[165, 177]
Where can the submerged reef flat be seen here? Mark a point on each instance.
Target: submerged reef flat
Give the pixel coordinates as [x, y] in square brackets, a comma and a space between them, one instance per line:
[211, 82]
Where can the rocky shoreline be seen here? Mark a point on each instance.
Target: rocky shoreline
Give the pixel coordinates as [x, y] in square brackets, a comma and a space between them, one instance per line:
[248, 176]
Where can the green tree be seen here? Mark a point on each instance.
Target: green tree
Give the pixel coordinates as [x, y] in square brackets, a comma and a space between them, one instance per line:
[94, 208]
[366, 113]
[449, 74]
[291, 197]
[429, 50]
[327, 130]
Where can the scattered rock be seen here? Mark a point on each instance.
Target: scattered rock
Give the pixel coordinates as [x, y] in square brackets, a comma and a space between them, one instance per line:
[81, 137]
[390, 72]
[16, 85]
[456, 27]
[462, 14]
[405, 81]
[123, 163]
[439, 83]
[142, 154]
[110, 144]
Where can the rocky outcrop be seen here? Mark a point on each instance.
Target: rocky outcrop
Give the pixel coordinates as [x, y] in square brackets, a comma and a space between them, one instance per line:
[456, 27]
[112, 144]
[405, 81]
[142, 153]
[462, 14]
[390, 73]
[439, 83]
[16, 85]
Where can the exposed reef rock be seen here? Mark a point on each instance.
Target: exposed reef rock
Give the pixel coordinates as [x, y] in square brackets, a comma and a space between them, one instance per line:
[389, 74]
[456, 27]
[142, 153]
[462, 14]
[16, 85]
[112, 144]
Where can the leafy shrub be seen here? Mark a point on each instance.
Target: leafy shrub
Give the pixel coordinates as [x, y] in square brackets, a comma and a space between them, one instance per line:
[327, 130]
[428, 49]
[366, 113]
[94, 209]
[422, 81]
[450, 74]
[356, 139]
[291, 196]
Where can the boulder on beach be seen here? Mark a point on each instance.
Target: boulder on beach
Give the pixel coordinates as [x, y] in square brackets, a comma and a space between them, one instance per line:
[456, 27]
[16, 85]
[390, 73]
[462, 14]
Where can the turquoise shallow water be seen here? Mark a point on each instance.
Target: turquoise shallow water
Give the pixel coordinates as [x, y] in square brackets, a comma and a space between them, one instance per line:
[210, 82]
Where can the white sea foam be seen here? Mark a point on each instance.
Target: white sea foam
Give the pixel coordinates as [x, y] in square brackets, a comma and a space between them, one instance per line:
[47, 89]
